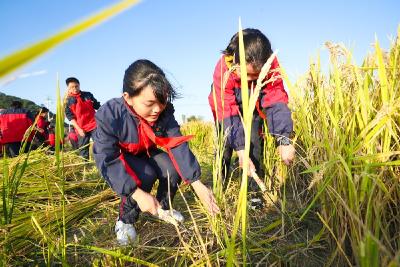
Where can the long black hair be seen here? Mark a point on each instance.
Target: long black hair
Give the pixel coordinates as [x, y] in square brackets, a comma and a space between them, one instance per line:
[142, 73]
[257, 47]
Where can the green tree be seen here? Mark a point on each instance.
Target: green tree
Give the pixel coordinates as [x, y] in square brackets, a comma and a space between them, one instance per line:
[6, 100]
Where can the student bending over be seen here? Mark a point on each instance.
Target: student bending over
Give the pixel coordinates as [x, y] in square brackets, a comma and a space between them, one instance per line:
[129, 132]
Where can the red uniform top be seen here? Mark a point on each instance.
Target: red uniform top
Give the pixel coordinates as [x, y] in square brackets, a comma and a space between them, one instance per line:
[81, 107]
[13, 124]
[226, 105]
[43, 124]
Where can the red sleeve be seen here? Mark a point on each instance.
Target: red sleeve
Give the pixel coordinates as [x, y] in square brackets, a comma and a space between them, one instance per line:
[224, 104]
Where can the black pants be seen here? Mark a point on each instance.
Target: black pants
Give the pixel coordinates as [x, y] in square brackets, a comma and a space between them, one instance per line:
[84, 142]
[12, 149]
[148, 170]
[39, 140]
[74, 144]
[256, 149]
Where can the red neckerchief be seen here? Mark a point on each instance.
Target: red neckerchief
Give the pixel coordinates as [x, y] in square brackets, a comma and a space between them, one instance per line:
[74, 95]
[145, 130]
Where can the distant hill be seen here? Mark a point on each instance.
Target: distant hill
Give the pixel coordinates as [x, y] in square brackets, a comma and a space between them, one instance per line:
[6, 100]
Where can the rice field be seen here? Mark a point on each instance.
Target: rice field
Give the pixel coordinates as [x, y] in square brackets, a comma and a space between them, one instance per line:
[337, 205]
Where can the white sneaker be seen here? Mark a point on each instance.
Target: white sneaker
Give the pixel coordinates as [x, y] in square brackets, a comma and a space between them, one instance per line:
[256, 203]
[177, 215]
[170, 216]
[125, 232]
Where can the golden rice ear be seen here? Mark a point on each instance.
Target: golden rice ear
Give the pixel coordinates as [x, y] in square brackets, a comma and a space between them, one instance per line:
[265, 69]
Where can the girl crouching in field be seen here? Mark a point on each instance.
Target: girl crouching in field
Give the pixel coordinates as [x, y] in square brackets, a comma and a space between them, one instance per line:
[129, 132]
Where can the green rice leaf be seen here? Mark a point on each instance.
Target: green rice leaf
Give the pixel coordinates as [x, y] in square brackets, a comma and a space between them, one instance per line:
[23, 56]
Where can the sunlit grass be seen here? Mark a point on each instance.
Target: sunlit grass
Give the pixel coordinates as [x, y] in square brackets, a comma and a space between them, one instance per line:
[351, 145]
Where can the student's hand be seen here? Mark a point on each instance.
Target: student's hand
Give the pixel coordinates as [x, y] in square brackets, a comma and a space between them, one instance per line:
[206, 197]
[146, 201]
[80, 132]
[251, 168]
[287, 153]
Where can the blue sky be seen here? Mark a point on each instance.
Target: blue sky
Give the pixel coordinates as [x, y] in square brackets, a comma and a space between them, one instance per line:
[182, 37]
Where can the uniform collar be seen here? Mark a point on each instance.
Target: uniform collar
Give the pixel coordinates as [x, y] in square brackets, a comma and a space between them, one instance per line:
[75, 95]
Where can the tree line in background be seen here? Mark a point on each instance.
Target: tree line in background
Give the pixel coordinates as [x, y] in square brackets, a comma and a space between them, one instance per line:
[6, 100]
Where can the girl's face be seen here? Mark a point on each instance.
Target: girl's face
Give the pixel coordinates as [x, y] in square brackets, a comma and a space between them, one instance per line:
[73, 88]
[252, 73]
[145, 104]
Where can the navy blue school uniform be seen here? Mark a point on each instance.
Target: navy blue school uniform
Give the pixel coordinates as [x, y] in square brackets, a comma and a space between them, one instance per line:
[127, 153]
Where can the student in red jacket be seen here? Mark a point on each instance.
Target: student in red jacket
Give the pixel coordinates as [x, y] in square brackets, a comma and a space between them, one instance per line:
[226, 106]
[42, 127]
[80, 110]
[14, 123]
[73, 138]
[1, 144]
[51, 140]
[130, 132]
